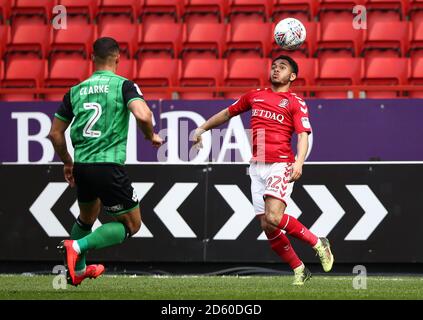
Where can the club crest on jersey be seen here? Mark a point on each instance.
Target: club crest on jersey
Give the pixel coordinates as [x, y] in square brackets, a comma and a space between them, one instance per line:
[283, 103]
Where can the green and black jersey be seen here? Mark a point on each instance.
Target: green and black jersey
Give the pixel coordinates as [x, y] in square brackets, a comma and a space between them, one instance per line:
[98, 108]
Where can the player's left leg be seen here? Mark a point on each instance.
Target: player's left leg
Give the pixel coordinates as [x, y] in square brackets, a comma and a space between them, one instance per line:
[279, 188]
[280, 244]
[321, 245]
[296, 229]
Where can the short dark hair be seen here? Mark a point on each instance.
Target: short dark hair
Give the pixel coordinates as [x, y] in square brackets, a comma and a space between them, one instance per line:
[292, 63]
[105, 47]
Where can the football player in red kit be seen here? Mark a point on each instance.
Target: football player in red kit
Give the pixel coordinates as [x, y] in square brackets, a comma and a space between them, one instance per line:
[276, 114]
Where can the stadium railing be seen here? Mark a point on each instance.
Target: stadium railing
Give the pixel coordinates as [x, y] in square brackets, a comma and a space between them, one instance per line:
[356, 91]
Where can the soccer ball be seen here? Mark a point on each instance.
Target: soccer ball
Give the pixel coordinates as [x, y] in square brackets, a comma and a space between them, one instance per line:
[289, 33]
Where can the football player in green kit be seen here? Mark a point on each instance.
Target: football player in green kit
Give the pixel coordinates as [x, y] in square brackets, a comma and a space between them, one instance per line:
[99, 110]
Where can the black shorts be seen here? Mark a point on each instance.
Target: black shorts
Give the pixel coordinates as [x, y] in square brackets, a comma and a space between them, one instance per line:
[106, 181]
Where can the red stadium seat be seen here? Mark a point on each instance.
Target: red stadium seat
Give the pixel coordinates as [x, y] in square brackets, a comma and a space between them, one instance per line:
[199, 72]
[416, 71]
[248, 72]
[204, 37]
[158, 18]
[255, 37]
[5, 9]
[342, 16]
[399, 7]
[76, 38]
[126, 68]
[306, 50]
[264, 8]
[160, 37]
[157, 72]
[103, 19]
[415, 5]
[416, 76]
[31, 39]
[23, 73]
[4, 34]
[416, 32]
[65, 73]
[218, 8]
[1, 70]
[87, 8]
[43, 8]
[201, 18]
[125, 34]
[16, 21]
[391, 35]
[306, 73]
[339, 35]
[337, 5]
[339, 72]
[384, 71]
[163, 7]
[286, 14]
[378, 16]
[302, 9]
[130, 8]
[337, 10]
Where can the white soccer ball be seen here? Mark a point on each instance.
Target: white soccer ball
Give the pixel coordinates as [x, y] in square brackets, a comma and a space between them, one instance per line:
[289, 33]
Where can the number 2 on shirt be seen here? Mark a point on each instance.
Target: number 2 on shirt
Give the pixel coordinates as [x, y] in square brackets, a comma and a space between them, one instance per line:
[88, 132]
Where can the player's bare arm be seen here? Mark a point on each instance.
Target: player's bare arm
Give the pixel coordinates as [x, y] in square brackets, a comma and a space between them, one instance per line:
[57, 137]
[144, 117]
[302, 147]
[215, 121]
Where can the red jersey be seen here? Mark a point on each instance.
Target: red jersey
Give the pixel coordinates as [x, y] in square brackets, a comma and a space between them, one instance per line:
[275, 116]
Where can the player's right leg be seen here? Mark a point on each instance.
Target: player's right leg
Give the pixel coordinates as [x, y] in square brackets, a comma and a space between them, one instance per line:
[281, 245]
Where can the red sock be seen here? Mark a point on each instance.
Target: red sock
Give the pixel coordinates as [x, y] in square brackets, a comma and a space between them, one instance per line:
[296, 229]
[281, 245]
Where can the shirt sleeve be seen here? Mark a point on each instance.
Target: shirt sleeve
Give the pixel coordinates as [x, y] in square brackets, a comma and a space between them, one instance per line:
[131, 92]
[300, 115]
[241, 105]
[65, 111]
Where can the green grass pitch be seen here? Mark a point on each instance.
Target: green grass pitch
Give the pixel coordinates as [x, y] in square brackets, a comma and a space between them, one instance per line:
[211, 288]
